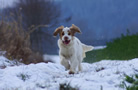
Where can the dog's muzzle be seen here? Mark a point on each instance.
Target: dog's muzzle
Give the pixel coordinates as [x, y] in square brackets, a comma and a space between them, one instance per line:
[66, 41]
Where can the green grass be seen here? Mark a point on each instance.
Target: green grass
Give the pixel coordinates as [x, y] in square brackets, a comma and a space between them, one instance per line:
[23, 76]
[133, 80]
[67, 87]
[130, 79]
[123, 48]
[93, 56]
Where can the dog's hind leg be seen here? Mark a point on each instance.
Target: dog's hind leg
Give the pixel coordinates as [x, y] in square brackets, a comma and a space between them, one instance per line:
[80, 67]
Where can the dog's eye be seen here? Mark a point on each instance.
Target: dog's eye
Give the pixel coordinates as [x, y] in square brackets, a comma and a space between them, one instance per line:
[62, 33]
[68, 33]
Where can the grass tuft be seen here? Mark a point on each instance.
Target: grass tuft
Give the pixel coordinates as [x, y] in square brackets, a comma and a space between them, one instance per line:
[67, 87]
[23, 76]
[133, 80]
[130, 79]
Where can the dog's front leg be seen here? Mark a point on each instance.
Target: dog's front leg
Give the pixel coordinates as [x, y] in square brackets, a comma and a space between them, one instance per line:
[64, 62]
[73, 64]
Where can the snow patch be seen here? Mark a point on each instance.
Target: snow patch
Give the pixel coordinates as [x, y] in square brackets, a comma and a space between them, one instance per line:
[99, 47]
[51, 58]
[105, 74]
[4, 62]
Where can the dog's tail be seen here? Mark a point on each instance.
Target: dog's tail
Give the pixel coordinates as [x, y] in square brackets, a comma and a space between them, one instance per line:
[86, 48]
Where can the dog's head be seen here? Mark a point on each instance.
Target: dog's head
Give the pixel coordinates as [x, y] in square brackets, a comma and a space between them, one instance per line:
[66, 34]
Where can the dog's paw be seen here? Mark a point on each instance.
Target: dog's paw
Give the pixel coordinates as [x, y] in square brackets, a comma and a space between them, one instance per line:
[71, 72]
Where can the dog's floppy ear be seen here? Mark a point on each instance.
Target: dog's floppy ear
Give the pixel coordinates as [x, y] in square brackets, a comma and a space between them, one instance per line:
[74, 29]
[58, 30]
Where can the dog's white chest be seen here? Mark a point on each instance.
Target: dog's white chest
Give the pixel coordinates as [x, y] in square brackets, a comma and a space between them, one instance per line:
[67, 52]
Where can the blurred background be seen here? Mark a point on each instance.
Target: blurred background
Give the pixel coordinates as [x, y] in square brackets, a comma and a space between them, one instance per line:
[100, 21]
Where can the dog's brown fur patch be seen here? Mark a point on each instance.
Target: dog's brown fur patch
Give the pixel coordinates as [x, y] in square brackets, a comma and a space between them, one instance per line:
[74, 29]
[58, 30]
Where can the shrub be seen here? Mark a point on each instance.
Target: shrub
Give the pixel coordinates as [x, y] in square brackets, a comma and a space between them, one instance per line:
[16, 42]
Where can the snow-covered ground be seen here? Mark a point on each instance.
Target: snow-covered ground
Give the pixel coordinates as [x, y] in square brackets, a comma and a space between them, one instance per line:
[105, 74]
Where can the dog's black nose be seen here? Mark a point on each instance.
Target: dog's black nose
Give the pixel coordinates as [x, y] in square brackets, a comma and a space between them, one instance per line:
[66, 38]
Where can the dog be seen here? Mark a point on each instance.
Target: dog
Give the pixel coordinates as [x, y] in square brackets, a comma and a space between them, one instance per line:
[71, 50]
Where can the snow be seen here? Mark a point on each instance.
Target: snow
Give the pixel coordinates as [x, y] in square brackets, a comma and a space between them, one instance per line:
[99, 47]
[51, 58]
[4, 62]
[105, 74]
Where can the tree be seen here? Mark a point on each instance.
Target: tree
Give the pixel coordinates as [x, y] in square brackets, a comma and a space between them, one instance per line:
[37, 12]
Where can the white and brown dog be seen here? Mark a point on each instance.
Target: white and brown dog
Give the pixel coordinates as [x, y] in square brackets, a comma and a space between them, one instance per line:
[71, 50]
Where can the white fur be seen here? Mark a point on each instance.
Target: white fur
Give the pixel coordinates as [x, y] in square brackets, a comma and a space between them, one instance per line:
[71, 55]
[66, 33]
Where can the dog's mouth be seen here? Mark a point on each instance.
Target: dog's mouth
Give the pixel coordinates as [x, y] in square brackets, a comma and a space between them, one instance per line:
[66, 42]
